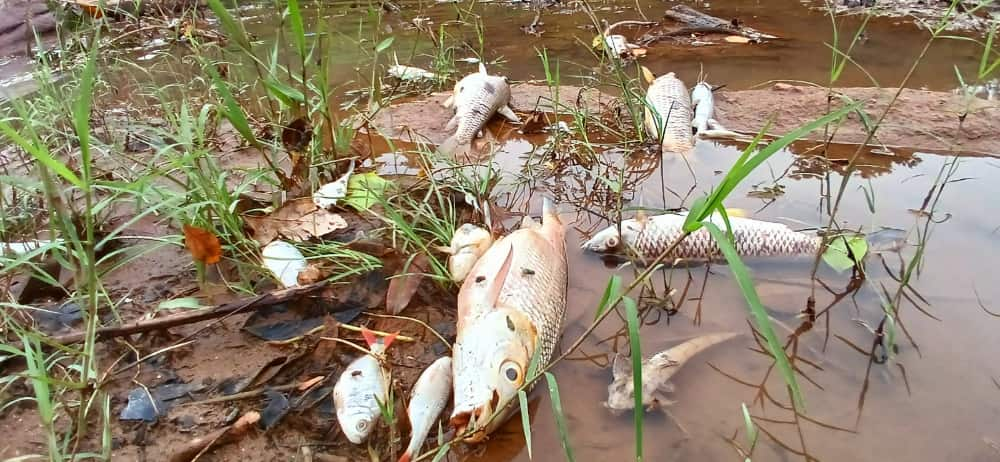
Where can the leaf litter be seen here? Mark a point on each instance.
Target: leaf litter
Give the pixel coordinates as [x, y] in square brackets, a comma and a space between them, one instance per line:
[297, 220]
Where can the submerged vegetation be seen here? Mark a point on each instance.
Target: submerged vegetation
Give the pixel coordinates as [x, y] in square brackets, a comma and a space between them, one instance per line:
[136, 198]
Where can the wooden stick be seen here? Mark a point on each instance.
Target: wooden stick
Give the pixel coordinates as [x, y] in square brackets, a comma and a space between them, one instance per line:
[166, 322]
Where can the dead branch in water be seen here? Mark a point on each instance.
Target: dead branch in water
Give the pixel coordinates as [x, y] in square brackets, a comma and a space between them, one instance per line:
[696, 19]
[166, 322]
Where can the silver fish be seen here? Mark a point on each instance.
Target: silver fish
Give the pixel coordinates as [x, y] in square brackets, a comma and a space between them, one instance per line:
[467, 245]
[650, 236]
[362, 385]
[476, 98]
[512, 304]
[668, 114]
[704, 123]
[429, 397]
[656, 373]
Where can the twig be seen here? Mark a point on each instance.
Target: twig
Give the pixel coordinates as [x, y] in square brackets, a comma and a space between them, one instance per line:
[247, 394]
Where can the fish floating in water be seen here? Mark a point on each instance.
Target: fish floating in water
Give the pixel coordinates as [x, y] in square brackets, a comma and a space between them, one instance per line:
[656, 373]
[410, 73]
[512, 304]
[430, 396]
[361, 387]
[647, 237]
[467, 245]
[476, 98]
[668, 114]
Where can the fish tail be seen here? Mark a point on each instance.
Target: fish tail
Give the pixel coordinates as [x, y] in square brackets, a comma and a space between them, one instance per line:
[549, 209]
[372, 340]
[405, 457]
[886, 240]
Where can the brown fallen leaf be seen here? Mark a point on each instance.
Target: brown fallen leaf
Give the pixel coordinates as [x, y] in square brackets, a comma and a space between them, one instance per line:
[297, 220]
[534, 123]
[324, 352]
[405, 284]
[193, 448]
[311, 274]
[202, 244]
[737, 39]
[310, 383]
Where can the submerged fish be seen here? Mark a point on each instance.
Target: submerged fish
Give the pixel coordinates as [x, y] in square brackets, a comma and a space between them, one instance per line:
[512, 304]
[668, 114]
[656, 373]
[429, 397]
[476, 98]
[467, 245]
[647, 237]
[361, 387]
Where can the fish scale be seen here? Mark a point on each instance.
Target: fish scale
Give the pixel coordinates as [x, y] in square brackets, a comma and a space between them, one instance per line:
[668, 98]
[752, 238]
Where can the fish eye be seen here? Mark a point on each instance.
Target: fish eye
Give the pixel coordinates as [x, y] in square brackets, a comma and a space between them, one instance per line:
[362, 425]
[611, 242]
[511, 371]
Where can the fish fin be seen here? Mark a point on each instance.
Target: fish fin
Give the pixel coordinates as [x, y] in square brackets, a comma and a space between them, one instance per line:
[388, 339]
[445, 249]
[493, 293]
[508, 113]
[452, 123]
[886, 240]
[736, 212]
[482, 68]
[549, 211]
[405, 457]
[621, 367]
[369, 336]
[529, 223]
[449, 102]
[648, 75]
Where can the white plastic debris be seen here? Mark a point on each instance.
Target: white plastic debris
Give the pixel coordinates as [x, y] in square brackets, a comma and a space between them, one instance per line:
[328, 195]
[285, 261]
[21, 248]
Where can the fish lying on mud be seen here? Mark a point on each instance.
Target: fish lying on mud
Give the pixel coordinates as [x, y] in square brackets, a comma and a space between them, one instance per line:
[704, 123]
[360, 389]
[429, 397]
[656, 373]
[647, 237]
[476, 98]
[668, 114]
[467, 244]
[512, 304]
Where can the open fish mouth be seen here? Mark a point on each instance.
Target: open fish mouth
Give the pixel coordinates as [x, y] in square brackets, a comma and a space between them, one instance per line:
[473, 423]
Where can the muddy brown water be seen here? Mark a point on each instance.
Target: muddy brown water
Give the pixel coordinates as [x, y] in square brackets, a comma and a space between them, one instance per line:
[933, 403]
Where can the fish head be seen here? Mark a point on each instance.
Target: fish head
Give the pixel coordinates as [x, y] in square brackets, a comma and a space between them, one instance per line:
[491, 359]
[356, 425]
[610, 240]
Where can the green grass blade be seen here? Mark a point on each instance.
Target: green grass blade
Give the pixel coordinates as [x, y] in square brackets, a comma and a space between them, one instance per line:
[234, 31]
[557, 409]
[231, 109]
[41, 154]
[522, 399]
[81, 110]
[632, 320]
[751, 428]
[760, 317]
[298, 29]
[441, 452]
[610, 293]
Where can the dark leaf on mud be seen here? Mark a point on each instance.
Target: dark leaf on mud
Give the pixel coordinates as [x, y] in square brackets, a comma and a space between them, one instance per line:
[447, 330]
[369, 291]
[286, 321]
[322, 355]
[276, 408]
[58, 318]
[296, 135]
[405, 284]
[142, 406]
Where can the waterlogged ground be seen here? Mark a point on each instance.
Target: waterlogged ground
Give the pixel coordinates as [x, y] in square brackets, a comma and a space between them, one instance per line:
[939, 396]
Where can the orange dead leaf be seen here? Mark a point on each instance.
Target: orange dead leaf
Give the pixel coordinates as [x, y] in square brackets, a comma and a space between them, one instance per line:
[202, 244]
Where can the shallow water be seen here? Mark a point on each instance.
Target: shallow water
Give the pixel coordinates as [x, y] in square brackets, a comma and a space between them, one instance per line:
[948, 402]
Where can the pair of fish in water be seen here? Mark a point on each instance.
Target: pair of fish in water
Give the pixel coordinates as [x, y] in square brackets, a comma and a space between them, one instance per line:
[675, 117]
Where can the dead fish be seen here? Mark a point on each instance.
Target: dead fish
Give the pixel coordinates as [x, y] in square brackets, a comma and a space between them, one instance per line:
[512, 303]
[704, 123]
[328, 195]
[429, 397]
[361, 387]
[668, 114]
[647, 237]
[467, 245]
[656, 373]
[410, 73]
[476, 98]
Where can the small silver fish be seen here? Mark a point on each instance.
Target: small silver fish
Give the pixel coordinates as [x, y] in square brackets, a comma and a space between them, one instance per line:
[704, 123]
[360, 389]
[476, 98]
[467, 244]
[512, 304]
[656, 373]
[429, 398]
[410, 73]
[668, 114]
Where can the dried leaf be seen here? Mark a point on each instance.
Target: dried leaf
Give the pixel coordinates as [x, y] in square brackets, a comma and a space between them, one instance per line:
[405, 284]
[647, 75]
[737, 39]
[298, 220]
[534, 123]
[312, 274]
[202, 244]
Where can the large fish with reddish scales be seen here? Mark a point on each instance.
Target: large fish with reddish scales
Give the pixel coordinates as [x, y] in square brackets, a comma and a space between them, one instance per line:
[648, 237]
[512, 303]
[668, 114]
[476, 98]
